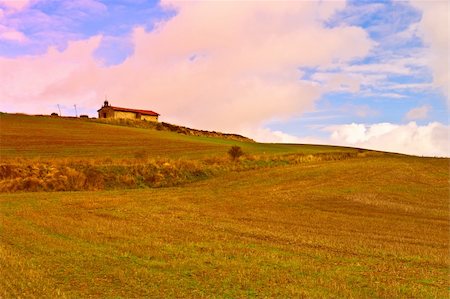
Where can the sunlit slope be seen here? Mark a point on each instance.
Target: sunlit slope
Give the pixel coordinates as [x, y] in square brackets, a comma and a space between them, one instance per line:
[374, 227]
[37, 136]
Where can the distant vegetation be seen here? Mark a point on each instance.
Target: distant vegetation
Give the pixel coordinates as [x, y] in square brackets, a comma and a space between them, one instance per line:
[162, 126]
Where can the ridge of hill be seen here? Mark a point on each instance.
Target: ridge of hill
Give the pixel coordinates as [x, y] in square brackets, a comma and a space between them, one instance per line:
[68, 154]
[55, 137]
[163, 126]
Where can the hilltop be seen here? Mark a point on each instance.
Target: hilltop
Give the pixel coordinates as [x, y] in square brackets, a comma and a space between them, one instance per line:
[67, 154]
[162, 126]
[53, 137]
[155, 213]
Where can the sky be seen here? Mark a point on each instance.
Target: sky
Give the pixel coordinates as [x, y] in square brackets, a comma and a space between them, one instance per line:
[370, 74]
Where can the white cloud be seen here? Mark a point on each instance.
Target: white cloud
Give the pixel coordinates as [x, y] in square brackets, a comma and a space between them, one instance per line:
[427, 140]
[228, 66]
[397, 51]
[379, 68]
[434, 30]
[418, 113]
[244, 71]
[392, 95]
[11, 34]
[8, 32]
[340, 82]
[267, 135]
[366, 78]
[412, 86]
[412, 139]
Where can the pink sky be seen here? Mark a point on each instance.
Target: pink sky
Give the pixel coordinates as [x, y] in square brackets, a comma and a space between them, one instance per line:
[229, 66]
[244, 67]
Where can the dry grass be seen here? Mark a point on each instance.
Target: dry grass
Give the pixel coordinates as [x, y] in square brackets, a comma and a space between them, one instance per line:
[374, 227]
[140, 172]
[162, 126]
[49, 138]
[45, 137]
[285, 221]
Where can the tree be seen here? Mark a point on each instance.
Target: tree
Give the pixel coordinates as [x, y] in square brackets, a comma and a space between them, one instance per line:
[235, 152]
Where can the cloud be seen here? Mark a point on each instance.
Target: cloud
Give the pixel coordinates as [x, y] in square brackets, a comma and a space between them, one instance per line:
[340, 82]
[37, 83]
[15, 4]
[434, 30]
[380, 77]
[89, 6]
[215, 65]
[418, 113]
[399, 56]
[361, 110]
[426, 140]
[230, 67]
[385, 95]
[268, 135]
[10, 34]
[413, 86]
[378, 68]
[412, 139]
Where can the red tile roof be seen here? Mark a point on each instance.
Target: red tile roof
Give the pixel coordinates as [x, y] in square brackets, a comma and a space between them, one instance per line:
[143, 112]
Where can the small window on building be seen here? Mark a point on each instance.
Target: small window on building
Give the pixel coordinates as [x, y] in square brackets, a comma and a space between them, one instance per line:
[104, 115]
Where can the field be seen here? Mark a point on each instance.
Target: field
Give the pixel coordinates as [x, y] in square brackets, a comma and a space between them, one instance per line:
[46, 137]
[281, 222]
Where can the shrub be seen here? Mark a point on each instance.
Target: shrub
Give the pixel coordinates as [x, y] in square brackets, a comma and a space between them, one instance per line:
[235, 152]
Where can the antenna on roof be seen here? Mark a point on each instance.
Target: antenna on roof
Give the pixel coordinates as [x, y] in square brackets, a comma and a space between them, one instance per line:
[76, 112]
[59, 110]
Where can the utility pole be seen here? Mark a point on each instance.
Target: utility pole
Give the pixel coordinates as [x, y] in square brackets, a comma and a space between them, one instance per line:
[59, 110]
[76, 113]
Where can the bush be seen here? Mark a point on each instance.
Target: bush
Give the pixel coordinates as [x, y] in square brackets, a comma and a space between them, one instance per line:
[235, 152]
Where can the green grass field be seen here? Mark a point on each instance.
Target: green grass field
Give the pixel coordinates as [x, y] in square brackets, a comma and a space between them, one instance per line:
[373, 225]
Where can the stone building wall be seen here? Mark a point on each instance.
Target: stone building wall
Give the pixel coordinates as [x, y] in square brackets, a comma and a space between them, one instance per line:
[125, 115]
[149, 118]
[108, 112]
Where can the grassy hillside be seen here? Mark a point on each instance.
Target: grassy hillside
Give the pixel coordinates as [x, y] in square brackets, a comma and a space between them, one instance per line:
[285, 221]
[47, 137]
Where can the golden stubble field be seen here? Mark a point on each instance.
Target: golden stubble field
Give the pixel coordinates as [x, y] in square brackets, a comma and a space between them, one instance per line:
[366, 227]
[170, 215]
[47, 138]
